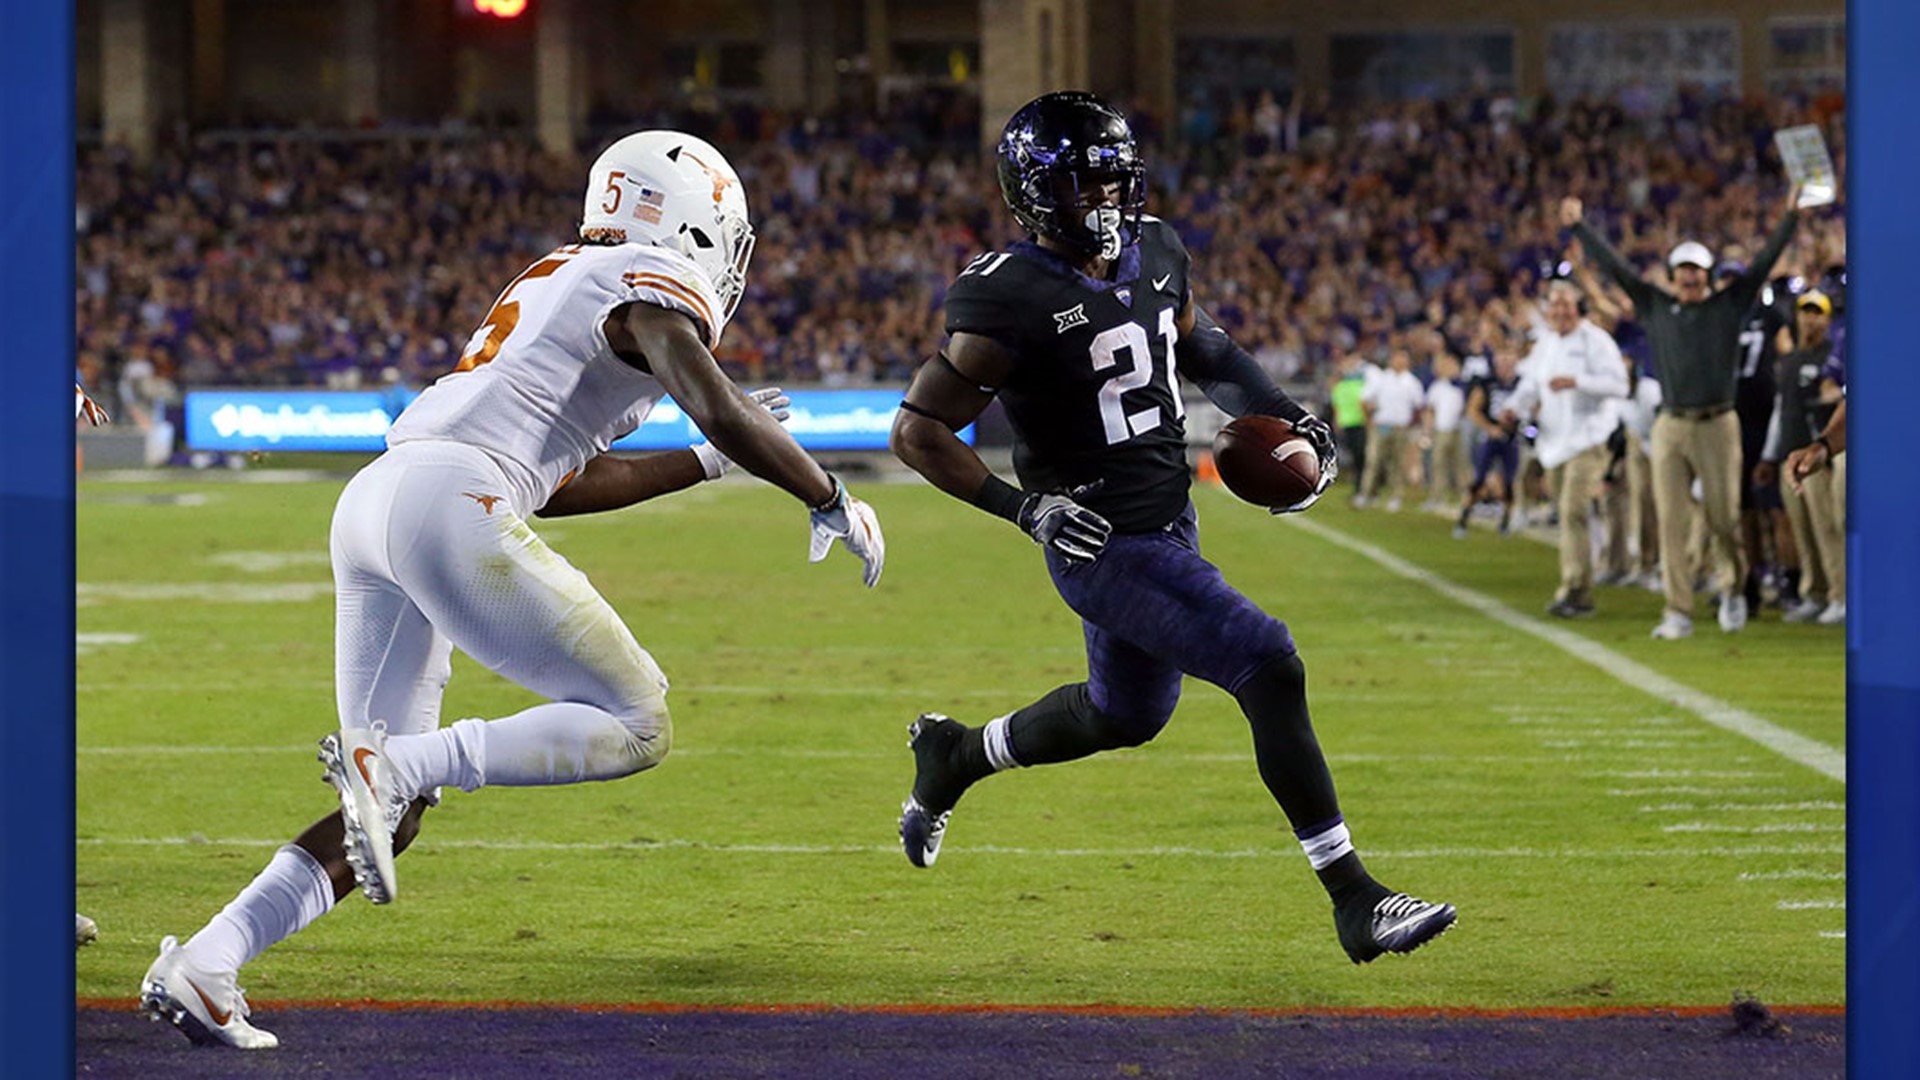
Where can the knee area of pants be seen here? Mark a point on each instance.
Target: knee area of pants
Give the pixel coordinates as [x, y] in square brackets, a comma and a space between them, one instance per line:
[1133, 730]
[1281, 674]
[648, 742]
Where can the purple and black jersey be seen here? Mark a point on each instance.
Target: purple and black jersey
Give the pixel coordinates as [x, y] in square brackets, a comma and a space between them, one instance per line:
[1093, 401]
[1092, 397]
[1498, 392]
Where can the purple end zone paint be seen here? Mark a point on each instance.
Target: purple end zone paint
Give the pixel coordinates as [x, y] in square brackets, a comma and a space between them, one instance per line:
[477, 1044]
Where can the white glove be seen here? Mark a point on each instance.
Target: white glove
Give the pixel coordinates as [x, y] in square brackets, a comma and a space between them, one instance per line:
[87, 407]
[773, 399]
[853, 523]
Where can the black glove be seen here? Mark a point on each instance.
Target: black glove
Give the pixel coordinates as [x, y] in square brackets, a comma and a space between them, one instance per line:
[1317, 432]
[1056, 521]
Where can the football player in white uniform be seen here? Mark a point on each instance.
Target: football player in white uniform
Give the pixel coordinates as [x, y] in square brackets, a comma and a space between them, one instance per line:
[432, 550]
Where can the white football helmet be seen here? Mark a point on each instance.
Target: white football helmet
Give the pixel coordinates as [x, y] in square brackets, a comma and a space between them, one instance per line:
[675, 191]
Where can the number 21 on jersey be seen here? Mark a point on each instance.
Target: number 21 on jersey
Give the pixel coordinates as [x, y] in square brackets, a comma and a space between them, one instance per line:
[1129, 339]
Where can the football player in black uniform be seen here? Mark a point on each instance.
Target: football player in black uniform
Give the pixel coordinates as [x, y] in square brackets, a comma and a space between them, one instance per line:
[1763, 517]
[1499, 445]
[1078, 331]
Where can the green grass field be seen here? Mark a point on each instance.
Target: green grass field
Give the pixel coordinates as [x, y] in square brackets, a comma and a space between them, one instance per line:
[1604, 848]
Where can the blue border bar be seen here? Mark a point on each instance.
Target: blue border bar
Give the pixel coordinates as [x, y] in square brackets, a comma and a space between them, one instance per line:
[1883, 543]
[36, 539]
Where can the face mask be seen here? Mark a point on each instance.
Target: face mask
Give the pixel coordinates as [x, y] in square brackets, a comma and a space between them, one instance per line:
[1104, 223]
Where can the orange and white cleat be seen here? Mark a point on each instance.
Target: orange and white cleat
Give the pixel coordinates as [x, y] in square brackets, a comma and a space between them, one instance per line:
[207, 1007]
[356, 764]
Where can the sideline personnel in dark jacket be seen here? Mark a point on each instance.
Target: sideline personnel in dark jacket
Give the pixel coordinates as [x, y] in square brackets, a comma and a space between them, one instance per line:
[1695, 333]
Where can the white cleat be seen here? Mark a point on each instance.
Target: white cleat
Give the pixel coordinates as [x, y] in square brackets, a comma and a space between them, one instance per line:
[1733, 612]
[1834, 615]
[1804, 611]
[208, 1008]
[85, 930]
[1673, 626]
[356, 764]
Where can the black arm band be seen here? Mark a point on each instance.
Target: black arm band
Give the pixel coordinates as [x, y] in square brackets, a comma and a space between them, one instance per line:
[999, 498]
[1228, 376]
[963, 376]
[908, 406]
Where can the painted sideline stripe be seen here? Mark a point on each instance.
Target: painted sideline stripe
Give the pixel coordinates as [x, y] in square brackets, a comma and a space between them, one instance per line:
[1153, 756]
[1793, 746]
[1174, 851]
[1793, 875]
[1405, 1012]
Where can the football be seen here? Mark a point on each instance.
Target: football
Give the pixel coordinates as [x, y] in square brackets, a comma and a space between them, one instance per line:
[1262, 461]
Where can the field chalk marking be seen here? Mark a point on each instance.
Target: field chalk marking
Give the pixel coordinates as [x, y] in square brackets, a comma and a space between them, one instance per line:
[1797, 748]
[1280, 852]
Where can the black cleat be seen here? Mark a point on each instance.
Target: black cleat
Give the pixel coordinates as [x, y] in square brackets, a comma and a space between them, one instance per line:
[937, 785]
[1390, 923]
[1570, 609]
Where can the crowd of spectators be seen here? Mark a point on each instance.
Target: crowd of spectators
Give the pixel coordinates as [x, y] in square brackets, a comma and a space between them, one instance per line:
[1318, 233]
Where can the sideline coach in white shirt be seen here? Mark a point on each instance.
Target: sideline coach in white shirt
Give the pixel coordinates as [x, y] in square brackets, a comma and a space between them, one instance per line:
[1575, 383]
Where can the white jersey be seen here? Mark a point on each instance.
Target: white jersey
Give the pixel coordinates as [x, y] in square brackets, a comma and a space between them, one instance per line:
[538, 387]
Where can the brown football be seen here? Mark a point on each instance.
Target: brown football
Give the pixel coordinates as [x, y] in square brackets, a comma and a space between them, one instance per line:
[1262, 461]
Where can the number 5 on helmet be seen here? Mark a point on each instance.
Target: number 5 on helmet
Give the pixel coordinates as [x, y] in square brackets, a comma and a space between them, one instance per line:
[853, 523]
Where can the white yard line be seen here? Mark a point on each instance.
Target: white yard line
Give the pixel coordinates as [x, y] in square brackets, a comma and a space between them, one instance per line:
[890, 754]
[1776, 827]
[1818, 756]
[1794, 875]
[1279, 851]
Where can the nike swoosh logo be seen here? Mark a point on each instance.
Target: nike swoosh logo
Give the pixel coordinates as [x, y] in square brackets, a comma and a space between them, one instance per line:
[1161, 283]
[360, 757]
[220, 1016]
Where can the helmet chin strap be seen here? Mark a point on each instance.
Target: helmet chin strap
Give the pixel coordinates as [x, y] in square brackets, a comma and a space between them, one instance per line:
[1104, 222]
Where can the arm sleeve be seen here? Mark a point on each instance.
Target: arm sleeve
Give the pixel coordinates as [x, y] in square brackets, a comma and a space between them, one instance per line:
[1606, 374]
[670, 280]
[1756, 273]
[1228, 376]
[1771, 451]
[1525, 397]
[975, 305]
[1616, 267]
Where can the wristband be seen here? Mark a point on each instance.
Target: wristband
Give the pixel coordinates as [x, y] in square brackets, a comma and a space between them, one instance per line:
[999, 498]
[1825, 445]
[834, 500]
[712, 462]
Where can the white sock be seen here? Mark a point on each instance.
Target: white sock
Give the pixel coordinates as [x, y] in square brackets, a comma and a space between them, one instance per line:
[1325, 848]
[291, 892]
[448, 755]
[560, 742]
[999, 744]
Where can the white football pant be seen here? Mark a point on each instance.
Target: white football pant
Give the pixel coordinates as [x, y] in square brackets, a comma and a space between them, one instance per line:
[428, 554]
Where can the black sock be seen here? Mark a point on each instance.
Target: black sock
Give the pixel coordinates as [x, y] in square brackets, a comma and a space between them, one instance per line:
[1274, 698]
[1790, 585]
[1062, 726]
[1347, 881]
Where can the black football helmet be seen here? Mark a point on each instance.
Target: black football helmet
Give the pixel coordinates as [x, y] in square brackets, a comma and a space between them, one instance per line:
[1061, 159]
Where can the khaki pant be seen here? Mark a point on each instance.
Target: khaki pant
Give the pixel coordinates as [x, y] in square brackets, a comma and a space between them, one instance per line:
[1448, 481]
[1643, 525]
[1813, 513]
[1386, 455]
[1577, 481]
[1709, 449]
[1839, 470]
[1616, 554]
